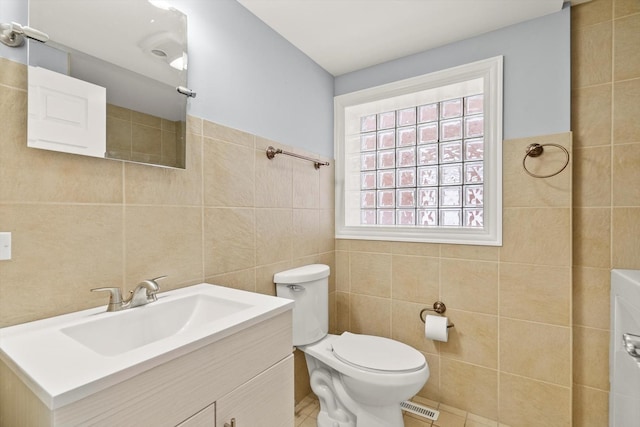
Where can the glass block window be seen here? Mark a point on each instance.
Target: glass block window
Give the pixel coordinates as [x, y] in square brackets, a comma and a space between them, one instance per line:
[422, 165]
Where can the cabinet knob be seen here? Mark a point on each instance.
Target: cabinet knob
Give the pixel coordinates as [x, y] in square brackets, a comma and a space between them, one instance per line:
[233, 423]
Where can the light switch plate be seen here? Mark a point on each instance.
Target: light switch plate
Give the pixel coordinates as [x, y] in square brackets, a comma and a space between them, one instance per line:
[5, 246]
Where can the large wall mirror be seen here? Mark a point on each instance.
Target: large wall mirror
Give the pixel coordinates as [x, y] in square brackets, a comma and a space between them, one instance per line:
[137, 51]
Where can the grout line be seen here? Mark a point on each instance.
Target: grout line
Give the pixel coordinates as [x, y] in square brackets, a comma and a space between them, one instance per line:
[202, 201]
[568, 387]
[590, 387]
[592, 328]
[555, 325]
[437, 344]
[570, 287]
[612, 133]
[391, 297]
[124, 226]
[498, 352]
[5, 86]
[254, 211]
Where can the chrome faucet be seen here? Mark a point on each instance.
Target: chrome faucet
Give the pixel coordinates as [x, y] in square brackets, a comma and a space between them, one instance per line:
[144, 293]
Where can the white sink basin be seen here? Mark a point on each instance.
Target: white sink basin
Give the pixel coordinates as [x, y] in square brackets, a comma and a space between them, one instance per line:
[133, 328]
[65, 358]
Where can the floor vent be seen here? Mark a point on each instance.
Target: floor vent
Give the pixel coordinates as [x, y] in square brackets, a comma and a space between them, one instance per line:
[420, 410]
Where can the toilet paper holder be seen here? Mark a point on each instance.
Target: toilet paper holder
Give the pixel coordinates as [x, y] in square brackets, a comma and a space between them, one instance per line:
[439, 308]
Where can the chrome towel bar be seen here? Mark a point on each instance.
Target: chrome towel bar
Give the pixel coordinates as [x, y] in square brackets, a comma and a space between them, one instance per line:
[271, 153]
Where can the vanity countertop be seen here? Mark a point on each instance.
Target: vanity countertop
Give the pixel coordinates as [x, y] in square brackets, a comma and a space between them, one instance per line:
[65, 358]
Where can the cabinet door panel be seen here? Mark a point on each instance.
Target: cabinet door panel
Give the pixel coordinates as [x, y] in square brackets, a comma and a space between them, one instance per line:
[66, 114]
[265, 401]
[204, 418]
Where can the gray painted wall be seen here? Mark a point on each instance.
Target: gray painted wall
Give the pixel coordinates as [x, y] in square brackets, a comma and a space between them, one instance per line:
[537, 61]
[248, 77]
[13, 11]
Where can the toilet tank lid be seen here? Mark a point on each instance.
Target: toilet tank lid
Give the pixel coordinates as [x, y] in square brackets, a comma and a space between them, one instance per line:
[302, 274]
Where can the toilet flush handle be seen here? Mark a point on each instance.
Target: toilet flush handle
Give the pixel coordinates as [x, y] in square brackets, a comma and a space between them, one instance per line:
[295, 288]
[632, 345]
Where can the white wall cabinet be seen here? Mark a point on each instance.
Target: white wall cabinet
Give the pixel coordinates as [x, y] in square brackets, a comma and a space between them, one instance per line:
[66, 114]
[247, 376]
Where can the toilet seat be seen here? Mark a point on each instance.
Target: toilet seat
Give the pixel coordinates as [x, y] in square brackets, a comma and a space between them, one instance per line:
[377, 353]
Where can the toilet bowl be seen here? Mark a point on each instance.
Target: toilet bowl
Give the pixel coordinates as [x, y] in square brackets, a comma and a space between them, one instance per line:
[360, 380]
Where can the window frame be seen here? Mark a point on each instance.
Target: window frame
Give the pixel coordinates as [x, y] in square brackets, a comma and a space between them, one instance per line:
[491, 72]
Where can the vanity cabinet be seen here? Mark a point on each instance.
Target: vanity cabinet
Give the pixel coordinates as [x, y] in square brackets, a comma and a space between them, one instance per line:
[263, 401]
[247, 375]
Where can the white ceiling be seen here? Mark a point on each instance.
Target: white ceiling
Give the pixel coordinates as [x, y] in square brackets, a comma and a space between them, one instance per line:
[348, 35]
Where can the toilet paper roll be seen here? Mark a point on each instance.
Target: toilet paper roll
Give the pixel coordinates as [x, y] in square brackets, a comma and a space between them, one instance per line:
[435, 328]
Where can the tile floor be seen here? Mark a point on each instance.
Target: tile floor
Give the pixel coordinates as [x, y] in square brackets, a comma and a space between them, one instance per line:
[307, 411]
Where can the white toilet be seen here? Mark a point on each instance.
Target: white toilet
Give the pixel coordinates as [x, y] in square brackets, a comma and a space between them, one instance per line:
[360, 380]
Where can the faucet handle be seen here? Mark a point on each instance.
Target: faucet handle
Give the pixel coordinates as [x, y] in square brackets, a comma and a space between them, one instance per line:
[153, 293]
[145, 292]
[115, 297]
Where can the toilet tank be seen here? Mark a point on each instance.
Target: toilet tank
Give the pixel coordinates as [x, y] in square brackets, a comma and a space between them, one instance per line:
[308, 286]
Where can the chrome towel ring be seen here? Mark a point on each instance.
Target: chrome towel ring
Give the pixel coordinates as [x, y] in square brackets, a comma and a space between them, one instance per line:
[535, 150]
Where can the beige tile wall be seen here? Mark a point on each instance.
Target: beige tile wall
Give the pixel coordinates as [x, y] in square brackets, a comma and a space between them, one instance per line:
[509, 356]
[233, 217]
[140, 137]
[606, 218]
